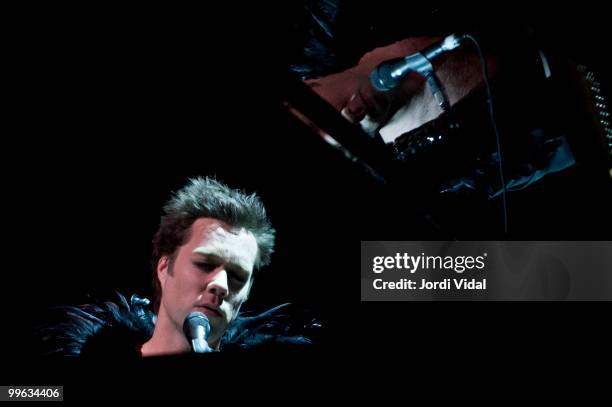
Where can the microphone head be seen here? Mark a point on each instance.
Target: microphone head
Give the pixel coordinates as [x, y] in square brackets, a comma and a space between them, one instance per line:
[381, 77]
[196, 326]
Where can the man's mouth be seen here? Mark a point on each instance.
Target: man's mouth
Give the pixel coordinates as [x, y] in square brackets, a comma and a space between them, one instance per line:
[209, 310]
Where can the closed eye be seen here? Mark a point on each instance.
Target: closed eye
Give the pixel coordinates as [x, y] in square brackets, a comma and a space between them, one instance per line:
[206, 267]
[238, 279]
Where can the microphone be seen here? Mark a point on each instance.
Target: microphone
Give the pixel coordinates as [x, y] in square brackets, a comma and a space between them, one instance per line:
[197, 329]
[389, 75]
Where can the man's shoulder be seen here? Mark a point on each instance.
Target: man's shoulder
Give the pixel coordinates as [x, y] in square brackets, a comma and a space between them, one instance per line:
[280, 327]
[101, 329]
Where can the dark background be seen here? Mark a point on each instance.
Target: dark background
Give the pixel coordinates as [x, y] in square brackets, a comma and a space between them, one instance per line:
[111, 110]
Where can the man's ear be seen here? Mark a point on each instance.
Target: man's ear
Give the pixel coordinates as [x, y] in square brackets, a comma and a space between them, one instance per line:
[163, 265]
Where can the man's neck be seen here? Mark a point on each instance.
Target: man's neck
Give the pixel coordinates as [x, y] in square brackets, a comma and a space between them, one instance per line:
[165, 340]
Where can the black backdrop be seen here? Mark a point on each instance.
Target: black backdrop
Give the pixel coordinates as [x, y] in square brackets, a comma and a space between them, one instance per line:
[110, 111]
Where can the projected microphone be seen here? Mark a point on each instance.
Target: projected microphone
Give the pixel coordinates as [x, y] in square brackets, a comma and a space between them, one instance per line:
[197, 330]
[389, 75]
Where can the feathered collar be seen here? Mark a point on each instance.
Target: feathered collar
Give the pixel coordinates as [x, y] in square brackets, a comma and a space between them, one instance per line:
[119, 329]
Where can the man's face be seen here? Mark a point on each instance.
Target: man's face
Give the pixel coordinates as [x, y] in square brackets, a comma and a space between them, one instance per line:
[394, 113]
[211, 273]
[351, 93]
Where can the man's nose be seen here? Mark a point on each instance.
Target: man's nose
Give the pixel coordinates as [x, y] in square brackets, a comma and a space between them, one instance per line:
[218, 285]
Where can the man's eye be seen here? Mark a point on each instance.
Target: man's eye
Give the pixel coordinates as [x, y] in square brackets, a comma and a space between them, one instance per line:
[208, 267]
[238, 280]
